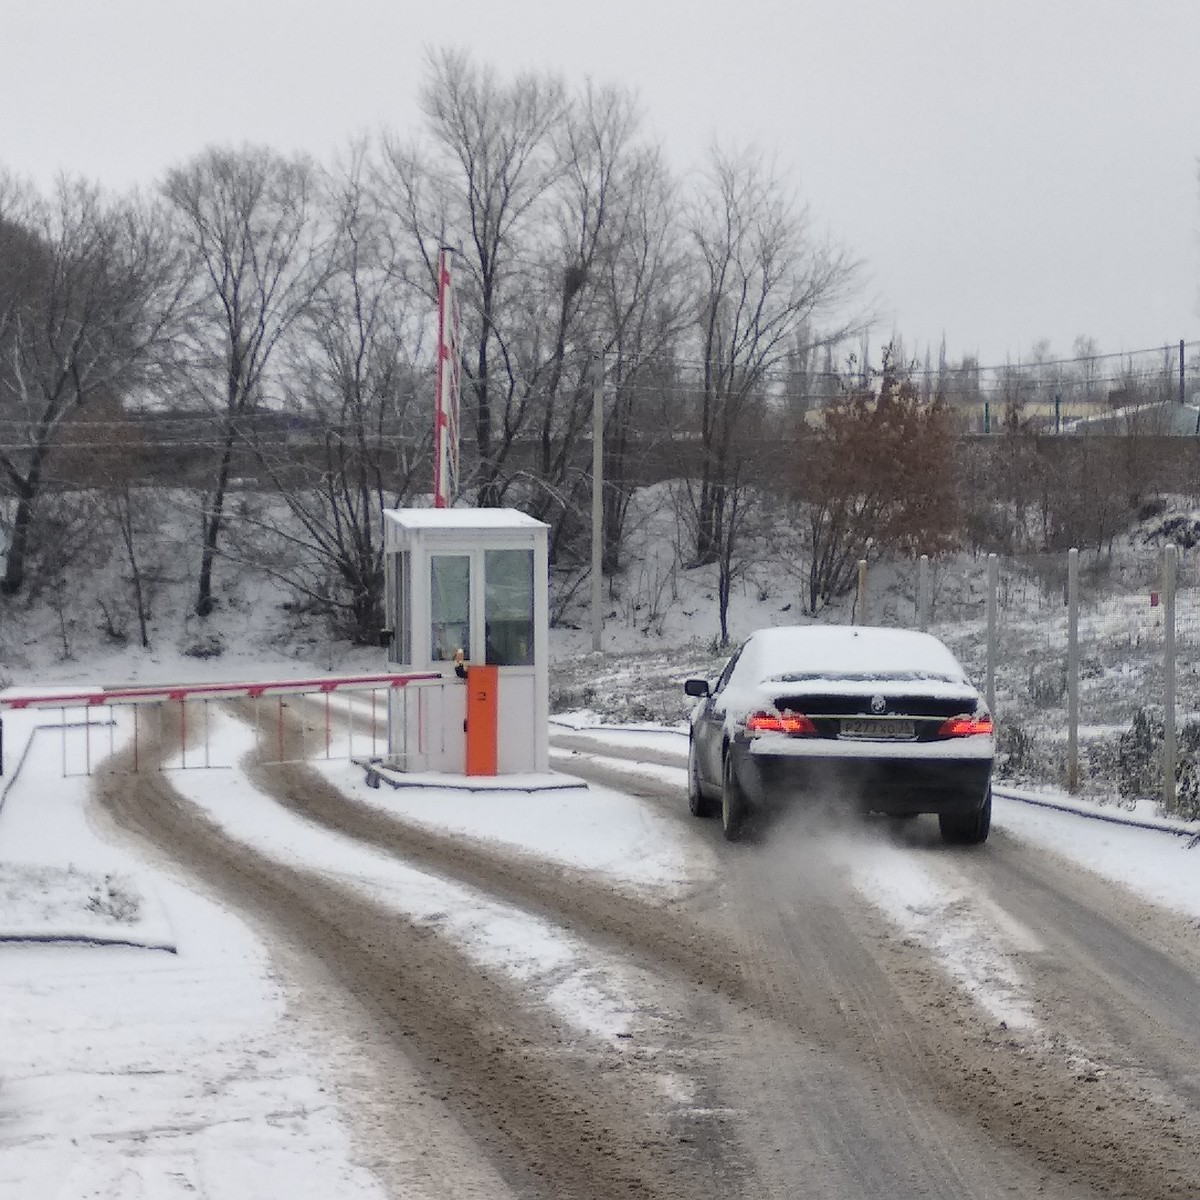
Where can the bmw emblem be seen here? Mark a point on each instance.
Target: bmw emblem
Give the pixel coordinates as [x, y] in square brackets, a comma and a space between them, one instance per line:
[878, 705]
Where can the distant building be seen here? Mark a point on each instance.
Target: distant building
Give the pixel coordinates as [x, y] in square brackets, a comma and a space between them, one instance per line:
[1161, 419]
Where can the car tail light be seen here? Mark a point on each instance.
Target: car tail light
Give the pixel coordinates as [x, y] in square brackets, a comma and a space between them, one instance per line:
[794, 724]
[966, 726]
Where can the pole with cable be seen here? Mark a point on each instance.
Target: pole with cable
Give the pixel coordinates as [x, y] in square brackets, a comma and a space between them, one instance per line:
[597, 497]
[1073, 670]
[446, 388]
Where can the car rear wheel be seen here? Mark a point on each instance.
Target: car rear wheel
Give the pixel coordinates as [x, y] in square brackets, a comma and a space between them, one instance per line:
[698, 803]
[967, 829]
[733, 803]
[899, 824]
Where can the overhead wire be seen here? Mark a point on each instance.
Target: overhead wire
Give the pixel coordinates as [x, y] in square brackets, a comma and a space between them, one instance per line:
[965, 385]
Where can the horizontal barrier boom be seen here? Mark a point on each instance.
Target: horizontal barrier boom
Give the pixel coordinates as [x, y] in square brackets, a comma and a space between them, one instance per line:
[181, 693]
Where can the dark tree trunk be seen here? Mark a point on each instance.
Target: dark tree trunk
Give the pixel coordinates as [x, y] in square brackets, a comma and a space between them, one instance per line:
[214, 522]
[125, 519]
[28, 490]
[18, 548]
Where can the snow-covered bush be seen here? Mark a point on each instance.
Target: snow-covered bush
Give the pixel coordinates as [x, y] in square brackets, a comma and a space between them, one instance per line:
[115, 899]
[1014, 751]
[1023, 755]
[1047, 684]
[203, 645]
[1139, 763]
[1187, 787]
[1139, 757]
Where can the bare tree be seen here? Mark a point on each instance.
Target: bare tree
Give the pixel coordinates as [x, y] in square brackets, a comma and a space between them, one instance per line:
[86, 313]
[363, 441]
[640, 311]
[566, 219]
[259, 255]
[562, 325]
[102, 454]
[481, 184]
[608, 279]
[760, 276]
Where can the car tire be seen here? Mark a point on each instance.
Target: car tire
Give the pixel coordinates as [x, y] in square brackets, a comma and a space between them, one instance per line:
[967, 829]
[733, 803]
[698, 803]
[898, 825]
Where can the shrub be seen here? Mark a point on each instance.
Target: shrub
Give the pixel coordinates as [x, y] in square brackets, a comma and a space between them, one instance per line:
[571, 697]
[1102, 767]
[1139, 757]
[203, 645]
[1014, 751]
[1139, 763]
[1187, 788]
[1047, 684]
[1022, 755]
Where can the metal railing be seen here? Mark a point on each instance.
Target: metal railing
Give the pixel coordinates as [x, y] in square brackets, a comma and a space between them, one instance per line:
[1084, 657]
[351, 714]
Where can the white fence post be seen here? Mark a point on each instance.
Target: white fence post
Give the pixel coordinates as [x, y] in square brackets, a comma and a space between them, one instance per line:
[993, 587]
[597, 499]
[860, 597]
[1169, 746]
[1072, 670]
[923, 593]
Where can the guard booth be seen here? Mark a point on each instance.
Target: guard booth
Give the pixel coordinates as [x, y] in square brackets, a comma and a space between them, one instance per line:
[467, 598]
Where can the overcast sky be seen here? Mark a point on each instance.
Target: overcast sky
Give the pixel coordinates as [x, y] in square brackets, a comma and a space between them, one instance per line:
[1008, 170]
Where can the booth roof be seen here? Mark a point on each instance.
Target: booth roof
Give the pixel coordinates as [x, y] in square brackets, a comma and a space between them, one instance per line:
[462, 518]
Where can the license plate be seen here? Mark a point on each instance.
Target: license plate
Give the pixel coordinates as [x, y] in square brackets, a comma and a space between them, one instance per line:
[878, 730]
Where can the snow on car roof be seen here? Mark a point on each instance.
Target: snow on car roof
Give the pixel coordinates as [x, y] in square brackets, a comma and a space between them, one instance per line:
[850, 651]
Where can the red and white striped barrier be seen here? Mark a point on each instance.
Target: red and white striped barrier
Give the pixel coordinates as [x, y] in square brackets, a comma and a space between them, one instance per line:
[213, 691]
[325, 688]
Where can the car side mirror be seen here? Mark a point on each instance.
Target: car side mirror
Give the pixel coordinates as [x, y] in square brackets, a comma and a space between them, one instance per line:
[696, 687]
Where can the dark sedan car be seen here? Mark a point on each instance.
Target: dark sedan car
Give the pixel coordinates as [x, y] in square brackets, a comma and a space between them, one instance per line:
[885, 720]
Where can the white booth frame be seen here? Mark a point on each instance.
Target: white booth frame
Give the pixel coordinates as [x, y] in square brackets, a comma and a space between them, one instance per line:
[426, 727]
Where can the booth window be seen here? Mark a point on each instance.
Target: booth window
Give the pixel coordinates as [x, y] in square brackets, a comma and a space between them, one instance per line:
[509, 607]
[450, 605]
[402, 634]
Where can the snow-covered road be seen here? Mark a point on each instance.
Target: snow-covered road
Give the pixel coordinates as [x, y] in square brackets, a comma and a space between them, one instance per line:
[195, 1070]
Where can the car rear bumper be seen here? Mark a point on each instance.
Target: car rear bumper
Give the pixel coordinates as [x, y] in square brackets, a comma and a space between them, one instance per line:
[897, 786]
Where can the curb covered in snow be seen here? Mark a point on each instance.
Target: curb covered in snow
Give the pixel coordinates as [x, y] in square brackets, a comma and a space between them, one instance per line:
[377, 773]
[85, 939]
[583, 727]
[1188, 829]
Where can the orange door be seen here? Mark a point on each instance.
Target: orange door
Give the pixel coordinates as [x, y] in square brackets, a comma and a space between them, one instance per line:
[482, 688]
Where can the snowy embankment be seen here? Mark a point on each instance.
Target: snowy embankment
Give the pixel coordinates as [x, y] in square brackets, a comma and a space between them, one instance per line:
[133, 1071]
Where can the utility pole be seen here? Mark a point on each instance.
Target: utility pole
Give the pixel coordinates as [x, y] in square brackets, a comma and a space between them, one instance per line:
[597, 497]
[1073, 670]
[1182, 398]
[923, 594]
[993, 589]
[1169, 746]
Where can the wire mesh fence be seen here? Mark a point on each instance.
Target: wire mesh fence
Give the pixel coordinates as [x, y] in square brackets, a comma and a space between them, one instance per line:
[1091, 670]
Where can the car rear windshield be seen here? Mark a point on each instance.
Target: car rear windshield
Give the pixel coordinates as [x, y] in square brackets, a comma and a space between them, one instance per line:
[866, 677]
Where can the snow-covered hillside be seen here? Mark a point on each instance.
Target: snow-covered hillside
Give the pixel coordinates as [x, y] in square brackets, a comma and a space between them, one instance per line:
[661, 625]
